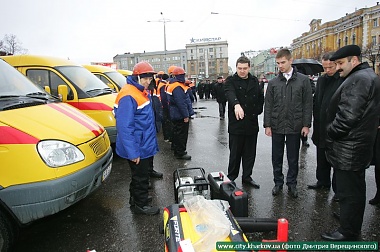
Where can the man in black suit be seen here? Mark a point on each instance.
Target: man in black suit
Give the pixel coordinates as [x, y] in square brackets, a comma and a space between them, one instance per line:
[326, 87]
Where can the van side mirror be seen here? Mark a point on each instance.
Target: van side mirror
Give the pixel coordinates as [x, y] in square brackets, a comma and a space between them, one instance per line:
[47, 89]
[62, 92]
[111, 86]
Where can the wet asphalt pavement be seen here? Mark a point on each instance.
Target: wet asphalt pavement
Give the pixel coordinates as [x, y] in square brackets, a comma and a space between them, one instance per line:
[104, 222]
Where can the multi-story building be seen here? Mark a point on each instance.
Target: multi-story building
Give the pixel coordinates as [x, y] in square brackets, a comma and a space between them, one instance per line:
[263, 63]
[207, 60]
[361, 27]
[160, 60]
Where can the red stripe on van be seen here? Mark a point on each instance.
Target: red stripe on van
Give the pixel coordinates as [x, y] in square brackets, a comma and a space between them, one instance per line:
[84, 117]
[90, 106]
[75, 117]
[9, 135]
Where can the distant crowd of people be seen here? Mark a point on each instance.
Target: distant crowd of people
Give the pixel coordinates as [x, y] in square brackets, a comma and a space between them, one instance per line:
[343, 108]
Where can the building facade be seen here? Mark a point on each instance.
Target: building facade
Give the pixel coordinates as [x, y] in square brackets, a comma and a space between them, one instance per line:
[361, 27]
[160, 60]
[207, 60]
[263, 63]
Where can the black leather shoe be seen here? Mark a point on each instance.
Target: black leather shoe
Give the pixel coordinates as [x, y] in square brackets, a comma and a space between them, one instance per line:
[251, 183]
[276, 190]
[184, 157]
[147, 210]
[337, 236]
[156, 174]
[132, 201]
[292, 190]
[374, 201]
[336, 215]
[318, 186]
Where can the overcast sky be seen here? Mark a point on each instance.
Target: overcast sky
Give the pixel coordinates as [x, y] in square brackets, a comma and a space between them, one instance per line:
[96, 30]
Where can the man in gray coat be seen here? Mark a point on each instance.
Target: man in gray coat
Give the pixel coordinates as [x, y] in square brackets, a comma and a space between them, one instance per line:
[287, 116]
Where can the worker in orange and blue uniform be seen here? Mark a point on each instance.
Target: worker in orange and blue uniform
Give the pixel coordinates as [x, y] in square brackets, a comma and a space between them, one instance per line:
[167, 123]
[180, 111]
[161, 83]
[136, 138]
[190, 91]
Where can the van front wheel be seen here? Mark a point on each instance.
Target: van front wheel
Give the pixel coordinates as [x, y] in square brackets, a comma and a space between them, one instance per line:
[5, 234]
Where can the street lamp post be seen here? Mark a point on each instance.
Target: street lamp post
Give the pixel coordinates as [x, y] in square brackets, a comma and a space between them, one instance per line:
[164, 20]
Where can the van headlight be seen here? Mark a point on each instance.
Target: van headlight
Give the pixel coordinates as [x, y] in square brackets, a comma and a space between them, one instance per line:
[57, 153]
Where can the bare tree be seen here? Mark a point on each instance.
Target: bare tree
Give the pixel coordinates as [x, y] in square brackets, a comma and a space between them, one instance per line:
[372, 53]
[2, 52]
[11, 45]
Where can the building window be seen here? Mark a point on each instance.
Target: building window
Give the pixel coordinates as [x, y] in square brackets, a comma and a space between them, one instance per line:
[192, 68]
[375, 22]
[346, 41]
[353, 39]
[339, 43]
[373, 40]
[201, 57]
[191, 50]
[200, 50]
[220, 49]
[211, 49]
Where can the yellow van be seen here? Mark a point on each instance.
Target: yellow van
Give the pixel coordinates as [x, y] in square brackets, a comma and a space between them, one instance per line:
[109, 76]
[125, 72]
[51, 154]
[84, 91]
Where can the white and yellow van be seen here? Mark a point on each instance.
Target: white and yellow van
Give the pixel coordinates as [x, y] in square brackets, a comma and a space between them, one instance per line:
[109, 76]
[84, 91]
[51, 154]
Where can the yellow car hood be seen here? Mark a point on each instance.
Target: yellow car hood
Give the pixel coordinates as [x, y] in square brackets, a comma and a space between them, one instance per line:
[63, 122]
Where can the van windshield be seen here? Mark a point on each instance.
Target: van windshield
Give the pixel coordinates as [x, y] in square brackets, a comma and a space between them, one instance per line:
[13, 83]
[117, 77]
[84, 79]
